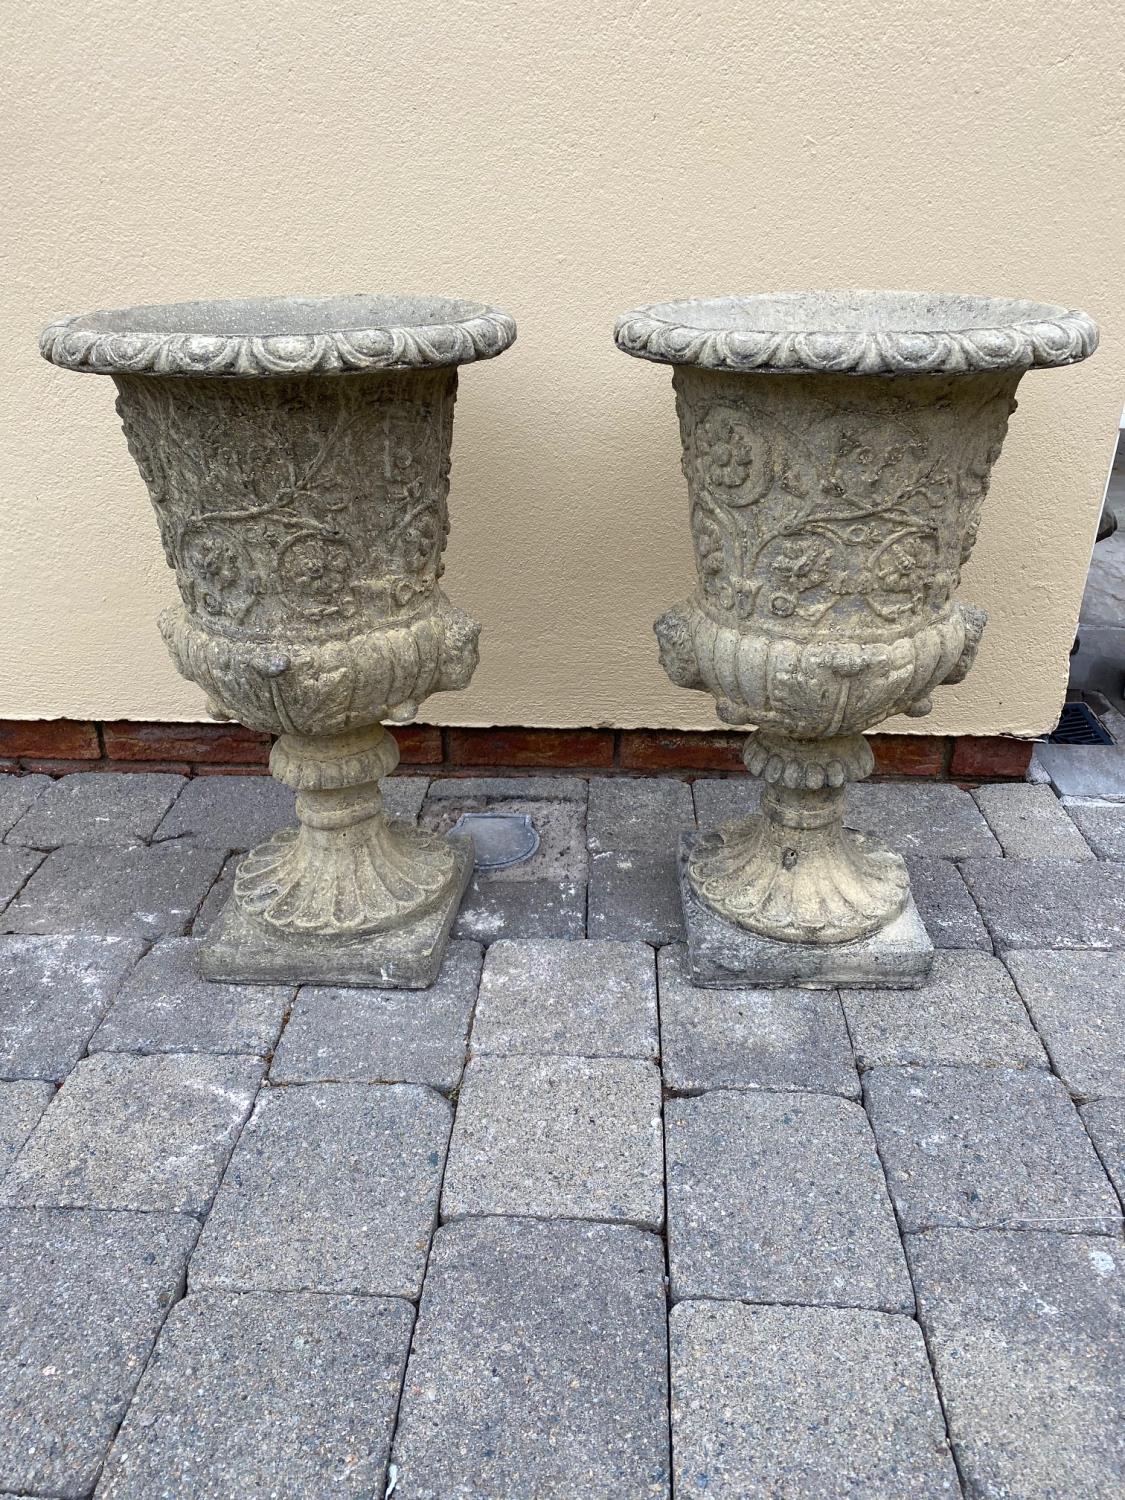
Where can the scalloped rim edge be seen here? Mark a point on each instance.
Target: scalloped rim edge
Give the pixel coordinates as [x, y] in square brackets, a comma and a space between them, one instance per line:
[344, 351]
[1064, 339]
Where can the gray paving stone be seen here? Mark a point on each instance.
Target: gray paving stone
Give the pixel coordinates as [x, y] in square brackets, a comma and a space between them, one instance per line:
[333, 1188]
[150, 1133]
[82, 1298]
[151, 891]
[1102, 825]
[725, 799]
[780, 1198]
[967, 1011]
[238, 812]
[216, 897]
[988, 1148]
[750, 1038]
[561, 855]
[1049, 903]
[950, 914]
[98, 807]
[16, 868]
[502, 788]
[558, 998]
[261, 1395]
[403, 796]
[1030, 822]
[383, 1036]
[21, 1104]
[635, 896]
[166, 1006]
[1084, 770]
[231, 812]
[806, 1403]
[17, 793]
[1027, 1335]
[54, 991]
[930, 818]
[1075, 1000]
[492, 909]
[566, 1137]
[637, 812]
[1105, 1122]
[539, 1369]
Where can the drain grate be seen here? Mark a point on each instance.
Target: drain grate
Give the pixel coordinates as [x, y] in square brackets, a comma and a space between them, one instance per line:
[1079, 725]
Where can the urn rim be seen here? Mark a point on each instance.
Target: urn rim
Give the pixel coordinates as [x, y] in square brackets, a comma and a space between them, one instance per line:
[857, 332]
[271, 337]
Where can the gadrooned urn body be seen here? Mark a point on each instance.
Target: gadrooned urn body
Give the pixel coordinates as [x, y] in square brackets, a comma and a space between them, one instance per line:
[297, 454]
[837, 449]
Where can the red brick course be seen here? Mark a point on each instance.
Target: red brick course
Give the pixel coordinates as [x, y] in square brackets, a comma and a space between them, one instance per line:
[571, 748]
[978, 756]
[56, 746]
[681, 750]
[212, 744]
[57, 739]
[910, 754]
[419, 745]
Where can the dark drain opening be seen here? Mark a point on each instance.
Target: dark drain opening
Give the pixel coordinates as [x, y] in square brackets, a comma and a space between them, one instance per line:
[1079, 725]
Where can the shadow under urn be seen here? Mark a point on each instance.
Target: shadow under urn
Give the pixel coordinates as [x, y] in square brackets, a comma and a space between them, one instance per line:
[297, 454]
[837, 447]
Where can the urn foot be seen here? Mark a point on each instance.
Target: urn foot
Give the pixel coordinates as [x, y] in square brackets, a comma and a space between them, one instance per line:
[763, 878]
[349, 896]
[241, 951]
[795, 873]
[722, 954]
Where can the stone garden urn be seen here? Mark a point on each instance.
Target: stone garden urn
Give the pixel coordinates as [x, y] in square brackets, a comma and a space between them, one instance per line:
[297, 453]
[837, 448]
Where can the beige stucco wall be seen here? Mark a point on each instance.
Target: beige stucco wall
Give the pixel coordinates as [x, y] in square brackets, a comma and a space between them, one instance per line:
[566, 162]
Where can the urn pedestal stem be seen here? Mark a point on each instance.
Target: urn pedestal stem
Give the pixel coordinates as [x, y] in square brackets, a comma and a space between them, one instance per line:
[794, 870]
[837, 449]
[350, 888]
[297, 455]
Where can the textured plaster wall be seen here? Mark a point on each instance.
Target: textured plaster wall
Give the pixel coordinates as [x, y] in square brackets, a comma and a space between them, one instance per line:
[567, 162]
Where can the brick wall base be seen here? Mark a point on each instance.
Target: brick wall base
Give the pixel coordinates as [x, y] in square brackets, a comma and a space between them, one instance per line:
[60, 745]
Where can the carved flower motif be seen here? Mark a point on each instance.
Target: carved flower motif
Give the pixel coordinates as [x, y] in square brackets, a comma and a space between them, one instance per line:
[969, 540]
[859, 468]
[802, 563]
[725, 447]
[213, 561]
[420, 541]
[319, 567]
[902, 565]
[708, 549]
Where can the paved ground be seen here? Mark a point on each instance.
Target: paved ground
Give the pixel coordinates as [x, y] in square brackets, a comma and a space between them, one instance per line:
[1099, 663]
[564, 1225]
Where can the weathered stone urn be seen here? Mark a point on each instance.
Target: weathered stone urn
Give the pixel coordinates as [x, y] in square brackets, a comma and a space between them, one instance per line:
[837, 448]
[297, 453]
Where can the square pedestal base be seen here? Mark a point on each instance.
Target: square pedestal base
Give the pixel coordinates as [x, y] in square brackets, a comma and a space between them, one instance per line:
[722, 955]
[240, 951]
